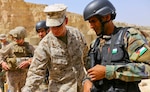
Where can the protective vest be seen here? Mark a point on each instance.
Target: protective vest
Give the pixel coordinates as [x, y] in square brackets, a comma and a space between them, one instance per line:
[19, 54]
[113, 52]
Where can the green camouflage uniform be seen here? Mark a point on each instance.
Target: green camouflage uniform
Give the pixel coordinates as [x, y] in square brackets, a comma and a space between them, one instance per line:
[140, 68]
[64, 61]
[128, 63]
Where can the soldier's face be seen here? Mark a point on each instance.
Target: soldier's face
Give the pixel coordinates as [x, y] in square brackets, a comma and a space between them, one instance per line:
[19, 41]
[41, 32]
[59, 31]
[95, 24]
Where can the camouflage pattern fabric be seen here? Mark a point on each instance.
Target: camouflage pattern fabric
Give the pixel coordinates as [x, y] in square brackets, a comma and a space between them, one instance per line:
[12, 63]
[140, 66]
[65, 63]
[15, 78]
[0, 45]
[2, 79]
[2, 72]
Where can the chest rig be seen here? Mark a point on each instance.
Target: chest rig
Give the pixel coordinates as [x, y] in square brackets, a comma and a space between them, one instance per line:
[19, 54]
[22, 50]
[113, 51]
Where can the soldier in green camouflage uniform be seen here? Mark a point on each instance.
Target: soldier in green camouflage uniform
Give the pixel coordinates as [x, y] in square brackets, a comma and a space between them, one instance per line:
[121, 55]
[16, 59]
[62, 51]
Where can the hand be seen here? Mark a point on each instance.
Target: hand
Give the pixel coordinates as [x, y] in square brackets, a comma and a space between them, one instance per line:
[5, 66]
[97, 72]
[24, 64]
[87, 86]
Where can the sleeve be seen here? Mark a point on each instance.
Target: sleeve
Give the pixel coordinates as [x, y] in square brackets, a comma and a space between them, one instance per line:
[138, 51]
[5, 52]
[84, 47]
[83, 44]
[138, 48]
[37, 70]
[129, 72]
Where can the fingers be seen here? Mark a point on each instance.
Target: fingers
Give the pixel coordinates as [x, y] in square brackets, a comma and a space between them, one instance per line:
[5, 66]
[92, 74]
[21, 65]
[87, 86]
[97, 72]
[24, 65]
[93, 78]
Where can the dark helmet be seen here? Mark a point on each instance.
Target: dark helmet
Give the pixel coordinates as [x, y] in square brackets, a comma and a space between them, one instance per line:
[99, 7]
[41, 24]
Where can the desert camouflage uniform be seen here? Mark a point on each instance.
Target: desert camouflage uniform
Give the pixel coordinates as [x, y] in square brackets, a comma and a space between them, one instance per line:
[16, 77]
[64, 61]
[2, 72]
[13, 55]
[0, 45]
[140, 67]
[2, 79]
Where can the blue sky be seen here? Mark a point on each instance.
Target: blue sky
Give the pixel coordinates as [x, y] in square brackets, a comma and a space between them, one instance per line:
[128, 11]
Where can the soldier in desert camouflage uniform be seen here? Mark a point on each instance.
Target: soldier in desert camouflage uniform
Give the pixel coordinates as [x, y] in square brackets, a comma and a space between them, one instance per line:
[42, 30]
[121, 55]
[10, 37]
[3, 40]
[16, 60]
[4, 43]
[61, 50]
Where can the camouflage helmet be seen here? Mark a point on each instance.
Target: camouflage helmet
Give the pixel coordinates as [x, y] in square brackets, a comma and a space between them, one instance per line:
[99, 7]
[11, 32]
[41, 24]
[2, 36]
[19, 32]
